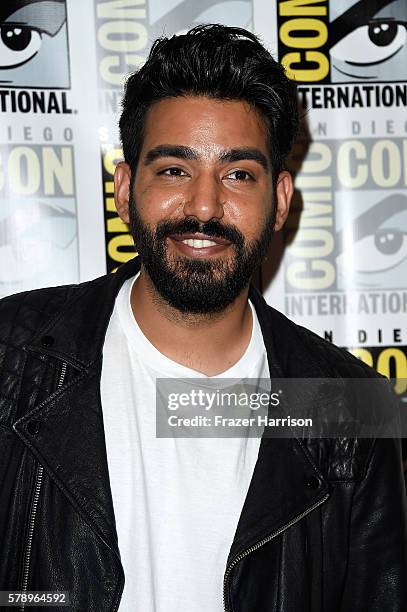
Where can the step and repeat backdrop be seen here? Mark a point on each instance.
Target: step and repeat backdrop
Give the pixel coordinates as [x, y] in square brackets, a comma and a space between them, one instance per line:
[339, 268]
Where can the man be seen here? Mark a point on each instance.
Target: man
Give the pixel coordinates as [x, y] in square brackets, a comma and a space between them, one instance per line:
[93, 503]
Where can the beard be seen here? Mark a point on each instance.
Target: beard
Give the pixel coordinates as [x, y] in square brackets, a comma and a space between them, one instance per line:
[198, 286]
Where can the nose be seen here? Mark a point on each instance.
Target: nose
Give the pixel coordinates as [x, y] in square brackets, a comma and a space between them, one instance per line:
[204, 199]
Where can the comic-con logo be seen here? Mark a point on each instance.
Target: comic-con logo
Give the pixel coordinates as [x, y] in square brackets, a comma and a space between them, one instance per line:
[34, 44]
[125, 30]
[348, 228]
[343, 42]
[373, 236]
[119, 241]
[38, 216]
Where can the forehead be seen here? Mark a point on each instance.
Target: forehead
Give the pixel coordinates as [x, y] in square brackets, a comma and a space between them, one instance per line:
[206, 124]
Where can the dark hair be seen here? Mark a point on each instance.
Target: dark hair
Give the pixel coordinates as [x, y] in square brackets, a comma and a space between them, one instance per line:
[219, 62]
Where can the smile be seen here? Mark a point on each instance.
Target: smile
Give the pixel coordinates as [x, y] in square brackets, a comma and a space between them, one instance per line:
[199, 244]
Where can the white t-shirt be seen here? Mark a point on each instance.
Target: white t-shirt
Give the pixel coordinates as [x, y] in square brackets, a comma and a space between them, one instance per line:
[177, 501]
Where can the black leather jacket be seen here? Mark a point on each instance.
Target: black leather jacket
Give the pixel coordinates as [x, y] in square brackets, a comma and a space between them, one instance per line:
[323, 527]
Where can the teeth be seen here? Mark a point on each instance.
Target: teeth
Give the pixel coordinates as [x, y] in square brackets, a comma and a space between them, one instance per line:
[198, 244]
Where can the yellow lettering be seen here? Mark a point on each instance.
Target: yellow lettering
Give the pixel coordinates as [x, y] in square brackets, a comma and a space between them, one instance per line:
[108, 63]
[306, 74]
[111, 158]
[132, 36]
[323, 156]
[116, 225]
[363, 354]
[322, 243]
[121, 9]
[304, 182]
[304, 25]
[350, 151]
[400, 363]
[110, 205]
[117, 243]
[57, 168]
[379, 150]
[296, 271]
[24, 171]
[301, 7]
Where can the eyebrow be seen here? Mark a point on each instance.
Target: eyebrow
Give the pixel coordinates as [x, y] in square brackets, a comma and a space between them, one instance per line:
[245, 153]
[229, 156]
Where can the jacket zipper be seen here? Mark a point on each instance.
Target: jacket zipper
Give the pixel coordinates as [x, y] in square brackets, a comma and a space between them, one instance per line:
[33, 509]
[259, 544]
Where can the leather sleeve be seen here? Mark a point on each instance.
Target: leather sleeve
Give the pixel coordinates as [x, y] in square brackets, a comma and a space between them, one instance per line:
[376, 577]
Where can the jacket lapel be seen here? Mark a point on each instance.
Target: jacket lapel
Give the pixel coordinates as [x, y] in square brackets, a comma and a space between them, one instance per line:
[70, 441]
[70, 445]
[279, 493]
[286, 484]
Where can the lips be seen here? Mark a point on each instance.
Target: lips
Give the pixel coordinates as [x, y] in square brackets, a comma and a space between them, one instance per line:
[196, 244]
[199, 241]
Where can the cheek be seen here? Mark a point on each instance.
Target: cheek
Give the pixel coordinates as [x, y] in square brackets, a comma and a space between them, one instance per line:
[155, 203]
[248, 216]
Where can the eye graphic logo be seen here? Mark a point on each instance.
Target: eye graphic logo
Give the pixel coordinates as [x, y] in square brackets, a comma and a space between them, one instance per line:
[38, 243]
[32, 32]
[368, 41]
[343, 41]
[375, 240]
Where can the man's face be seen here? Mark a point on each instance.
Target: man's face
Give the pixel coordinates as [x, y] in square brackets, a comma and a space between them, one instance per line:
[203, 208]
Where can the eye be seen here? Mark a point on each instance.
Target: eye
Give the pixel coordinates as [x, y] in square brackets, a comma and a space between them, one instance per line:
[389, 242]
[387, 249]
[173, 171]
[382, 33]
[371, 44]
[240, 175]
[18, 44]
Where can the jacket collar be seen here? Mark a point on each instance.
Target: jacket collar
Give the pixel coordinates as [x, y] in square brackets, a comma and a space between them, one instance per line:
[71, 444]
[78, 331]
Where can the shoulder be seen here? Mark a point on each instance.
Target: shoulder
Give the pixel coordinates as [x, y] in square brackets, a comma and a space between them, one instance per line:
[304, 354]
[331, 360]
[23, 314]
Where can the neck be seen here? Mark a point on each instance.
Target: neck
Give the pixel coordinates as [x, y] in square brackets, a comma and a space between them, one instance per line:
[208, 343]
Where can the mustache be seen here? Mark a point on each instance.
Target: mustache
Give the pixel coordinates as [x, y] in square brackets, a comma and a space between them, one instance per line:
[191, 225]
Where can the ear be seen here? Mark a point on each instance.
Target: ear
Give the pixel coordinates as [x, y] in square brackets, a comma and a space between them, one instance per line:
[284, 193]
[122, 176]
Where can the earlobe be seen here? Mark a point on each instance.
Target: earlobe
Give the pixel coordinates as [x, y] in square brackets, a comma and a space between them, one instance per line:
[122, 178]
[284, 193]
